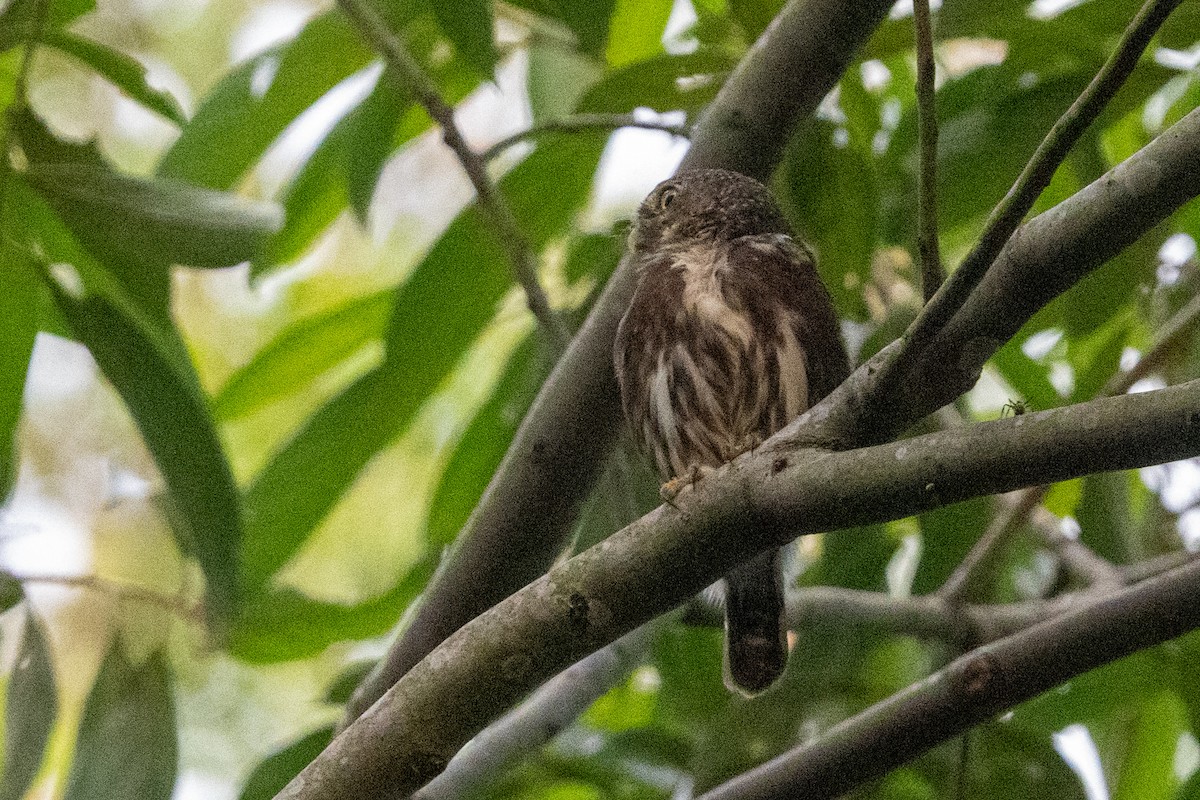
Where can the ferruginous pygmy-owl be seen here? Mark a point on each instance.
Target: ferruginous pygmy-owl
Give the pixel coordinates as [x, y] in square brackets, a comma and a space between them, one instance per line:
[730, 335]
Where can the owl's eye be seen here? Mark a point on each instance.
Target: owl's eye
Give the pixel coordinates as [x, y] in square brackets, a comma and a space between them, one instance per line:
[665, 199]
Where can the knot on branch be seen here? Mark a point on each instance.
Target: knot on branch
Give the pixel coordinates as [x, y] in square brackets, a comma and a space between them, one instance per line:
[978, 677]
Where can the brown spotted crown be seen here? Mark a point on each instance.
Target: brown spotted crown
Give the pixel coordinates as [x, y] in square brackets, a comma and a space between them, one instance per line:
[712, 204]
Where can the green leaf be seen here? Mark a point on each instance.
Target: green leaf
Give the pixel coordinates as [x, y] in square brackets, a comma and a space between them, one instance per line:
[151, 371]
[161, 220]
[302, 352]
[255, 103]
[277, 769]
[856, 558]
[468, 24]
[31, 706]
[11, 592]
[558, 77]
[589, 22]
[947, 534]
[346, 165]
[124, 71]
[285, 625]
[19, 295]
[484, 444]
[18, 18]
[1001, 131]
[126, 746]
[41, 146]
[636, 31]
[830, 195]
[342, 689]
[1146, 771]
[1105, 519]
[453, 291]
[372, 137]
[658, 83]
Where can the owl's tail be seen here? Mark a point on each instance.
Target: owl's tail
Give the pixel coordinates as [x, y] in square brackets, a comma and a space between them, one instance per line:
[755, 644]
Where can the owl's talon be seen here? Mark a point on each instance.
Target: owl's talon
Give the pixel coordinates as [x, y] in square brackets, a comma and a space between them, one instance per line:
[671, 489]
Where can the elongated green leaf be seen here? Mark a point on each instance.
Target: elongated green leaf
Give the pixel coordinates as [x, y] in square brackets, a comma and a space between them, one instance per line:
[18, 17]
[126, 746]
[1146, 771]
[125, 72]
[558, 77]
[161, 220]
[259, 99]
[468, 24]
[438, 312]
[658, 83]
[301, 353]
[590, 22]
[484, 444]
[151, 371]
[830, 195]
[11, 592]
[19, 290]
[29, 713]
[636, 31]
[274, 772]
[285, 625]
[347, 163]
[175, 423]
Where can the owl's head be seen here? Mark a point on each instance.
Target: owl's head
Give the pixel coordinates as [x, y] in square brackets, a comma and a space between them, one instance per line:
[704, 205]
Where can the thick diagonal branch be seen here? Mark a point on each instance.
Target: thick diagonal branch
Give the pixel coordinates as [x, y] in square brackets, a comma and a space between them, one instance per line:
[757, 502]
[557, 454]
[974, 688]
[1044, 258]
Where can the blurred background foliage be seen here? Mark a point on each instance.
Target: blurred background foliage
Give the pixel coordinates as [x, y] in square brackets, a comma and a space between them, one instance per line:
[260, 354]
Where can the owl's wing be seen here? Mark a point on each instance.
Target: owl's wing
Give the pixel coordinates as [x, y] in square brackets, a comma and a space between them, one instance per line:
[779, 281]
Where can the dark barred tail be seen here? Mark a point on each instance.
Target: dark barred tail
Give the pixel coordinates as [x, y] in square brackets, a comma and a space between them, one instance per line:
[755, 644]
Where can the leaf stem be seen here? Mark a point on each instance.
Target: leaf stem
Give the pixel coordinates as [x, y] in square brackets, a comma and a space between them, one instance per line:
[933, 273]
[583, 122]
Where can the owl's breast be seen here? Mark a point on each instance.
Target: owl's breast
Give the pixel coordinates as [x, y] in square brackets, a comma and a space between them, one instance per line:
[705, 270]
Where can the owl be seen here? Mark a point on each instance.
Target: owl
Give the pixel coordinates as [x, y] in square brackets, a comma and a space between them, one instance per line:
[730, 335]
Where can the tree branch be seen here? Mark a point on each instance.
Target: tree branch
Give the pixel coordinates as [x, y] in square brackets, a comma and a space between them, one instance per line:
[583, 122]
[761, 500]
[539, 719]
[932, 271]
[557, 454]
[1045, 257]
[491, 202]
[1005, 218]
[1182, 323]
[974, 688]
[966, 578]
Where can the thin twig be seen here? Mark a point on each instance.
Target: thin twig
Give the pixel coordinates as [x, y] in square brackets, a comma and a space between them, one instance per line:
[932, 617]
[1079, 559]
[932, 271]
[415, 80]
[966, 577]
[1181, 323]
[120, 591]
[1007, 216]
[583, 122]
